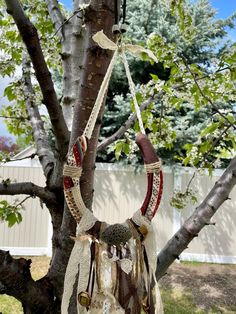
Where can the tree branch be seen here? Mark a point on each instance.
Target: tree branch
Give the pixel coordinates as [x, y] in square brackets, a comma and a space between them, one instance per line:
[31, 40]
[21, 202]
[56, 16]
[133, 117]
[17, 159]
[203, 94]
[16, 280]
[214, 143]
[198, 220]
[131, 120]
[67, 20]
[72, 60]
[28, 188]
[44, 151]
[17, 118]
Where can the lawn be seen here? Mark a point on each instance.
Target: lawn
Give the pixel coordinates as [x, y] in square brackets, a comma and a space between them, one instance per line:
[188, 288]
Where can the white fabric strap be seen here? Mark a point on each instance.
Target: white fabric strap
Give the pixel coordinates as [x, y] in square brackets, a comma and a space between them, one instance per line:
[98, 103]
[104, 42]
[132, 90]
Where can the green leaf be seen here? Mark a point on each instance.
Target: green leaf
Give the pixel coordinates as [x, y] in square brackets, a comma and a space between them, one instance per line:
[118, 150]
[204, 147]
[186, 160]
[210, 129]
[126, 148]
[231, 118]
[4, 203]
[154, 77]
[18, 217]
[194, 199]
[12, 219]
[8, 92]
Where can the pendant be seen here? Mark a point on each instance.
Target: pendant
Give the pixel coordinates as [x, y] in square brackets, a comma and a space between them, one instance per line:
[84, 298]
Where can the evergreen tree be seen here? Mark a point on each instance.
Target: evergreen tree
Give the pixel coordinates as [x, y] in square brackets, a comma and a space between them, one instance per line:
[208, 41]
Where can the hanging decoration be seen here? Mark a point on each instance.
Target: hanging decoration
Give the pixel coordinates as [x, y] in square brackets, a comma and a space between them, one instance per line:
[112, 267]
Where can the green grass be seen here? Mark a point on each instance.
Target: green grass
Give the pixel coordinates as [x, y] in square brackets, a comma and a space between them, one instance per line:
[178, 302]
[9, 305]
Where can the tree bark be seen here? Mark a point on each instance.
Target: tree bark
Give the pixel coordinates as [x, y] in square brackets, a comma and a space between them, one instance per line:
[99, 15]
[28, 188]
[36, 296]
[43, 149]
[30, 37]
[96, 60]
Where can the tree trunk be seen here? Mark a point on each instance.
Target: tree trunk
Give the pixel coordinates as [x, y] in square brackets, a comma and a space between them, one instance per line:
[44, 295]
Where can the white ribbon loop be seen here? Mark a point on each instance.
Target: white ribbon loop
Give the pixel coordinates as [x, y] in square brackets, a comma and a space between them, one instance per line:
[105, 43]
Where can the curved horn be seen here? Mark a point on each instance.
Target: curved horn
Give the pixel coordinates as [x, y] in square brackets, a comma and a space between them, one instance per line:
[71, 175]
[73, 169]
[154, 176]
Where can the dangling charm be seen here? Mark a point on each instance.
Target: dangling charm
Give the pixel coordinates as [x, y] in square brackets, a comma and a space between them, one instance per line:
[84, 299]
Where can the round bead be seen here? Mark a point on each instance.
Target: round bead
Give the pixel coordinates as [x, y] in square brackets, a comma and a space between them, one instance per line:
[116, 234]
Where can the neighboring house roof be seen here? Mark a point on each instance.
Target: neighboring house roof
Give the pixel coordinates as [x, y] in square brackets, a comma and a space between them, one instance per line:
[27, 162]
[28, 151]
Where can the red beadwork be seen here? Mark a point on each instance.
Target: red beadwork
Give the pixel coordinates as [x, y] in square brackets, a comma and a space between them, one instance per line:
[68, 182]
[77, 154]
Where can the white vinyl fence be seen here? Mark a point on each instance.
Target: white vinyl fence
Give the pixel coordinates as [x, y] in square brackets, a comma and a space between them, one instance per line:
[118, 193]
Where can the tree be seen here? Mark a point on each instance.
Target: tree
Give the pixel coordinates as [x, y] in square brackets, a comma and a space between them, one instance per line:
[7, 148]
[207, 44]
[7, 145]
[83, 66]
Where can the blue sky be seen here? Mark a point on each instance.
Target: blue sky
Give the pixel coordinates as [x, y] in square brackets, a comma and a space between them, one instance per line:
[224, 9]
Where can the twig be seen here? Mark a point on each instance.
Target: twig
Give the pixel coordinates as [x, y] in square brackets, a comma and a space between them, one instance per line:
[161, 117]
[203, 95]
[215, 142]
[28, 188]
[17, 159]
[20, 118]
[67, 20]
[21, 202]
[131, 120]
[190, 181]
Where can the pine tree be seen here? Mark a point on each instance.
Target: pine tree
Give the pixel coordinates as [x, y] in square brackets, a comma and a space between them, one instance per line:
[208, 42]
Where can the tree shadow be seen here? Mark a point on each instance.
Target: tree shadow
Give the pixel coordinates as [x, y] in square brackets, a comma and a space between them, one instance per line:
[208, 287]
